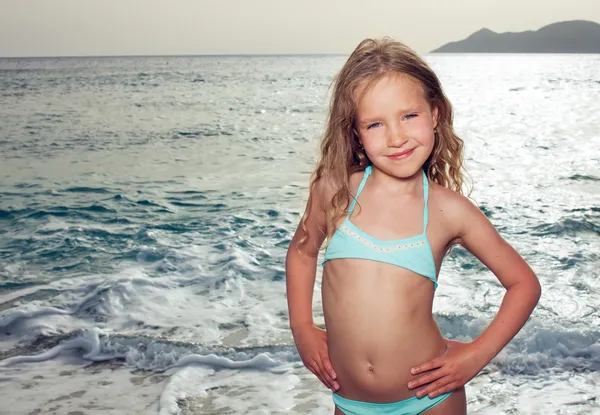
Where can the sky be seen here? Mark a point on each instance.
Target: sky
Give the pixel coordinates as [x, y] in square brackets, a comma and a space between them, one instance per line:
[196, 27]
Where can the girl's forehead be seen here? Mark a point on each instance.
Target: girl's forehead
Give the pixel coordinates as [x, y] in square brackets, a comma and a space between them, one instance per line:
[405, 85]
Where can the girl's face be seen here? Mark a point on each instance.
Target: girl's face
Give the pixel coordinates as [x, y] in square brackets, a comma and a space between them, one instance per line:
[395, 124]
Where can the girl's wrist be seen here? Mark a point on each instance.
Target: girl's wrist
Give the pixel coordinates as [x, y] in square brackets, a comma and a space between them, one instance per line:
[300, 325]
[482, 352]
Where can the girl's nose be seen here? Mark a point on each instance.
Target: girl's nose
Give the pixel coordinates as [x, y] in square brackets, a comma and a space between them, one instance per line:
[396, 137]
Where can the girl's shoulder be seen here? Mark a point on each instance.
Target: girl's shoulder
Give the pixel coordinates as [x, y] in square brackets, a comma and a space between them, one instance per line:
[441, 194]
[454, 208]
[326, 187]
[354, 180]
[450, 201]
[323, 190]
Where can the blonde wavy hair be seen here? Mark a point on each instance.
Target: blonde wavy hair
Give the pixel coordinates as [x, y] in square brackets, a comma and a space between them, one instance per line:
[341, 154]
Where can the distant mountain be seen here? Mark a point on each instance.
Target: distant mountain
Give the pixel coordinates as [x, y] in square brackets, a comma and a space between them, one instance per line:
[577, 36]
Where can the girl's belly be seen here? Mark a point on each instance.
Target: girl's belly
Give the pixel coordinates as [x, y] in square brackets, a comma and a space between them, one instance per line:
[378, 327]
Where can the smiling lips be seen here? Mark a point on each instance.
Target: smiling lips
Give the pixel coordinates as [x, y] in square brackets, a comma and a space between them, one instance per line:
[401, 155]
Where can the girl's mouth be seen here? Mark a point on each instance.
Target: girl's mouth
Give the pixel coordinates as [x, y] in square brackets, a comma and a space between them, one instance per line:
[401, 155]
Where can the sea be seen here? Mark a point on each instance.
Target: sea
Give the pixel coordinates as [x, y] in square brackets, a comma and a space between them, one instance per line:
[147, 203]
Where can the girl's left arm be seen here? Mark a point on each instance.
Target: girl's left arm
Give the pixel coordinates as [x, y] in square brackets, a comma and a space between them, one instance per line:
[462, 361]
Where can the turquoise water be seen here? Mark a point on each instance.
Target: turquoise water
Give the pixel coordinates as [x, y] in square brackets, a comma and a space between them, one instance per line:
[146, 205]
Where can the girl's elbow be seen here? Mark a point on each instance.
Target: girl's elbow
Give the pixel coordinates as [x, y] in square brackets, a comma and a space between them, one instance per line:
[535, 289]
[529, 287]
[538, 290]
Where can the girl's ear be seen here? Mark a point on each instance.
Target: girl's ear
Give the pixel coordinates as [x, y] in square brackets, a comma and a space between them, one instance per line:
[357, 136]
[434, 115]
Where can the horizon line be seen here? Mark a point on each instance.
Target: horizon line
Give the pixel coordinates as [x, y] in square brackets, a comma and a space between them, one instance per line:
[247, 55]
[190, 55]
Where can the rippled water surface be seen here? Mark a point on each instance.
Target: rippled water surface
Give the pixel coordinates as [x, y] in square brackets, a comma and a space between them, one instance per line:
[146, 205]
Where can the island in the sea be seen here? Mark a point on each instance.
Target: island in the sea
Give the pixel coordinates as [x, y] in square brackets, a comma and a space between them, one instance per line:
[576, 36]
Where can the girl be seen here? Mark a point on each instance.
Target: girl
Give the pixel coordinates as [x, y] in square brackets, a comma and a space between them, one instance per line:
[387, 195]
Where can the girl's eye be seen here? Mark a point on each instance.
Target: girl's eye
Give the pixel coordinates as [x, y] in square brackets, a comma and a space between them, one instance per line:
[409, 116]
[373, 125]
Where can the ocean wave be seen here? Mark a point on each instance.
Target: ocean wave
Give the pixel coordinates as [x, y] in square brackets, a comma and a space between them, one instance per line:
[86, 189]
[535, 350]
[152, 354]
[568, 226]
[65, 211]
[583, 177]
[102, 300]
[544, 349]
[207, 131]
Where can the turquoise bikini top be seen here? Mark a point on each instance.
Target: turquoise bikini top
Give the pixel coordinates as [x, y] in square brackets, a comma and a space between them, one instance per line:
[412, 253]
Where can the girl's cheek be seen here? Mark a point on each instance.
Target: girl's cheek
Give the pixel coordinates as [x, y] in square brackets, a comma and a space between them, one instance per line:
[425, 130]
[371, 139]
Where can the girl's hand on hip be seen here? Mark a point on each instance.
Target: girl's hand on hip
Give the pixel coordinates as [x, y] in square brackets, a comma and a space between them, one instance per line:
[311, 343]
[453, 369]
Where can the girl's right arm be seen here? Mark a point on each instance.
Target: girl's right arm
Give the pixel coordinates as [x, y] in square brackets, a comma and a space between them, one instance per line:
[301, 268]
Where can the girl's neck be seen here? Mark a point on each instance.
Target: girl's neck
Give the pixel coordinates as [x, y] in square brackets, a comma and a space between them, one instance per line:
[397, 185]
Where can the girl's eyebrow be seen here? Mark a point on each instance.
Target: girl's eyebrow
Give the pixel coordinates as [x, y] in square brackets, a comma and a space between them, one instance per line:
[368, 121]
[416, 108]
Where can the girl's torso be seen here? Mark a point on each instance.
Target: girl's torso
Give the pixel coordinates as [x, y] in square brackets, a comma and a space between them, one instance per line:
[379, 281]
